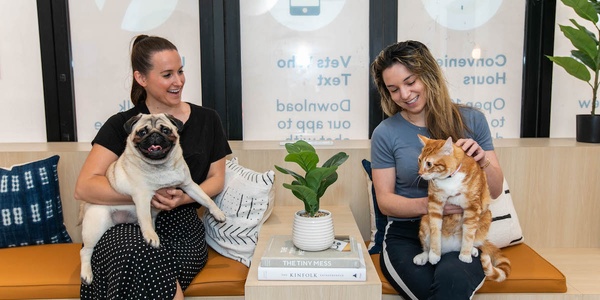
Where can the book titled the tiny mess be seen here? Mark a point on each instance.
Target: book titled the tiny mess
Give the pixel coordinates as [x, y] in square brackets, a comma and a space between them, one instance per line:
[281, 252]
[283, 261]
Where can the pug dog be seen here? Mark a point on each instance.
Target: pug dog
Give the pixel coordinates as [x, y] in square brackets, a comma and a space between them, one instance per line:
[152, 159]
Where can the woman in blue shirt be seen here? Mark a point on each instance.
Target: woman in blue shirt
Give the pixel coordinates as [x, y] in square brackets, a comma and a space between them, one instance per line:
[416, 100]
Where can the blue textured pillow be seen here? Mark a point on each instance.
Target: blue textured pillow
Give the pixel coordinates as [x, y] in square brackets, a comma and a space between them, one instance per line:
[378, 219]
[30, 207]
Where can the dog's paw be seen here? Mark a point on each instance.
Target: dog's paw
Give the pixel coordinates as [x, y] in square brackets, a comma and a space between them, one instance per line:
[421, 259]
[466, 258]
[218, 215]
[152, 239]
[86, 275]
[434, 258]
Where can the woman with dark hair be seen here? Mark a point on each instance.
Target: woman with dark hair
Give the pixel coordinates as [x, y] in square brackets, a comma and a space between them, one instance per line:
[123, 264]
[416, 100]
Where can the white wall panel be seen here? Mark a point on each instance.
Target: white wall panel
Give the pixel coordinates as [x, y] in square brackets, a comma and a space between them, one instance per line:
[22, 112]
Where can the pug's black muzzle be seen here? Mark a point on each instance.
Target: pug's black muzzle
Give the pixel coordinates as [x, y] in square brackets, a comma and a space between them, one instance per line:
[155, 146]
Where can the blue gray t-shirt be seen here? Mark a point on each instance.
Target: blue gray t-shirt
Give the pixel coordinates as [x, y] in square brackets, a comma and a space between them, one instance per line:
[394, 144]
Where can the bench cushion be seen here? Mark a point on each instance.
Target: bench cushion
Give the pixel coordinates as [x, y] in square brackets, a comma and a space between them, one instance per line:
[52, 271]
[531, 273]
[44, 271]
[221, 276]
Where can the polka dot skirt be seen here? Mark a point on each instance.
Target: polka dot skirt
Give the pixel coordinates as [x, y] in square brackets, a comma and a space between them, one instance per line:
[126, 267]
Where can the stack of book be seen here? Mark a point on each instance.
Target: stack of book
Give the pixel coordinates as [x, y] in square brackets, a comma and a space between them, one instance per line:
[344, 261]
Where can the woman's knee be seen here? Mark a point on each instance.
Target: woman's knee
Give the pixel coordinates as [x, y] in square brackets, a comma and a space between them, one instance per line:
[456, 279]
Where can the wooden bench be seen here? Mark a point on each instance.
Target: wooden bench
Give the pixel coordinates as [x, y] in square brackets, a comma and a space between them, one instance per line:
[554, 186]
[580, 265]
[553, 183]
[531, 273]
[52, 271]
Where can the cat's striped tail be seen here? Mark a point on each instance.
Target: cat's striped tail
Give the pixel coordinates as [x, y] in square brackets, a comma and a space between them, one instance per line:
[495, 265]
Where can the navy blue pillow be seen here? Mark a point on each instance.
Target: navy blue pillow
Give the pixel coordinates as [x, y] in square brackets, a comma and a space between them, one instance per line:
[30, 207]
[380, 220]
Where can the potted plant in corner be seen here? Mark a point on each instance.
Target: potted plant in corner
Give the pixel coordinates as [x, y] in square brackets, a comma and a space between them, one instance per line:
[313, 227]
[585, 56]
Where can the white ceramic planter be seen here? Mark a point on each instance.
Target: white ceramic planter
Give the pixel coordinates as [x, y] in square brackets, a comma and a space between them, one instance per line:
[312, 234]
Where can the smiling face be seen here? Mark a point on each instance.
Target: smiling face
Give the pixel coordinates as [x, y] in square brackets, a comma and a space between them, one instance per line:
[164, 82]
[153, 136]
[405, 88]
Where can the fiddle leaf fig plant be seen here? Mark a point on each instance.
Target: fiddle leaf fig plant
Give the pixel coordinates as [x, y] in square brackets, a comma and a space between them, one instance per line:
[311, 186]
[586, 55]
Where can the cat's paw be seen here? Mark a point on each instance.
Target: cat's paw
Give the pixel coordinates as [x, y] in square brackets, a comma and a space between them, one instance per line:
[466, 258]
[434, 258]
[421, 259]
[474, 252]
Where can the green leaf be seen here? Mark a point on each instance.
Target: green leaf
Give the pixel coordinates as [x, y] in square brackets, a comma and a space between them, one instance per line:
[572, 66]
[315, 177]
[297, 194]
[584, 58]
[581, 40]
[306, 160]
[326, 183]
[584, 9]
[596, 6]
[299, 146]
[296, 176]
[583, 28]
[311, 204]
[336, 160]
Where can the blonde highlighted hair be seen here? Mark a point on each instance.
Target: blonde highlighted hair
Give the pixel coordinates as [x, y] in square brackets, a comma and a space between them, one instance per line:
[442, 116]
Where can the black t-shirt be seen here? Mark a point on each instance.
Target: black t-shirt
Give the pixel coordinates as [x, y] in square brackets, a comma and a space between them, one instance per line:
[202, 138]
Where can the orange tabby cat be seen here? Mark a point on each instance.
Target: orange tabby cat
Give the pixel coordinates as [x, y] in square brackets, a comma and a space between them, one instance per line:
[456, 178]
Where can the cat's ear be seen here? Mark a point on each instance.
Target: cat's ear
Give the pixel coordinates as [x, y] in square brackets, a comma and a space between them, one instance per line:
[448, 147]
[423, 139]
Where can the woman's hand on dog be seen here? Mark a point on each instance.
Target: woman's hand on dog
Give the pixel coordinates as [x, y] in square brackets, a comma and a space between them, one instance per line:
[169, 198]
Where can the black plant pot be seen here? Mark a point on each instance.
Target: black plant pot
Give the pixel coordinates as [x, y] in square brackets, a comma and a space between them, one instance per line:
[588, 128]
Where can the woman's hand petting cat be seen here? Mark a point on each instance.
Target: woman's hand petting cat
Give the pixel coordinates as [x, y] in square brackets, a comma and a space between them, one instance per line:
[471, 148]
[450, 209]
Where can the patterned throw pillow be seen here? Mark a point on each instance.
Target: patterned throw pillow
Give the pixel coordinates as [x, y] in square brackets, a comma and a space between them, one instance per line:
[505, 229]
[30, 205]
[247, 201]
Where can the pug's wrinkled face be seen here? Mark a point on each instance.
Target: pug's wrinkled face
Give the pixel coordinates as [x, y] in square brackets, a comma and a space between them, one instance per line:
[153, 135]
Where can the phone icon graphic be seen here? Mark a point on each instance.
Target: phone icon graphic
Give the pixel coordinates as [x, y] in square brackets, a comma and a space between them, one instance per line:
[305, 7]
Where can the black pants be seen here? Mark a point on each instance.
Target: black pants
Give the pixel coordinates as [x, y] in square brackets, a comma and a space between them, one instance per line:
[450, 278]
[126, 267]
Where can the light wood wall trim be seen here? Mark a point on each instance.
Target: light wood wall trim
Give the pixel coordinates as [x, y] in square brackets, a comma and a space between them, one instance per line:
[555, 186]
[555, 183]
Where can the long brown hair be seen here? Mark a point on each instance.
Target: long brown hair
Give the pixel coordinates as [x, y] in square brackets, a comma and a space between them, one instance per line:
[143, 48]
[442, 116]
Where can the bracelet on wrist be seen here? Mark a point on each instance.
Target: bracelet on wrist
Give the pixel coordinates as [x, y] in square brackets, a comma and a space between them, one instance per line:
[487, 163]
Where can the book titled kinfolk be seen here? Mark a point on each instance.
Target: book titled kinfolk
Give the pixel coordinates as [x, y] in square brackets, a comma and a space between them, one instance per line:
[283, 261]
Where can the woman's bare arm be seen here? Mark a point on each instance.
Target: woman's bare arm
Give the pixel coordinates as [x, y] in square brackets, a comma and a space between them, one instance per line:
[92, 185]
